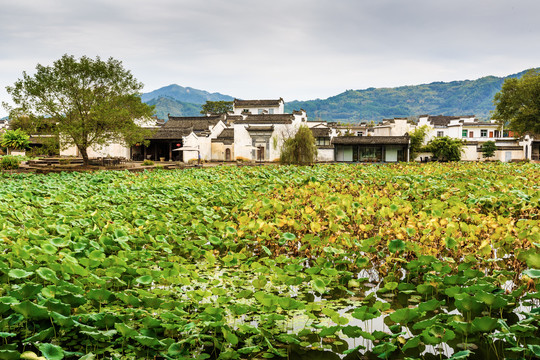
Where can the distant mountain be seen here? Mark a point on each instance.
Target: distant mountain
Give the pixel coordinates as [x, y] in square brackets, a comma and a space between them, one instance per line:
[165, 106]
[185, 94]
[468, 97]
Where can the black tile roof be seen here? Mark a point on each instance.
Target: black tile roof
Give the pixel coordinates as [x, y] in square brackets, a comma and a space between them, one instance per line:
[371, 140]
[255, 103]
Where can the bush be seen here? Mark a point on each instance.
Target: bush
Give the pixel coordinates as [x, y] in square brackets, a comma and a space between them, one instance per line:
[9, 162]
[148, 163]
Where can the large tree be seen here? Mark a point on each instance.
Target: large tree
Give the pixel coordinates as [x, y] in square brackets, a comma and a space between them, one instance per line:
[216, 107]
[93, 102]
[517, 105]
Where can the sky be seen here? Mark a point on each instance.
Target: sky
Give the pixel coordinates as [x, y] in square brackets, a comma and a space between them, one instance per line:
[259, 49]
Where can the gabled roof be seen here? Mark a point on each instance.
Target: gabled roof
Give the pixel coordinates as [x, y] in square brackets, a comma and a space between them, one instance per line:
[267, 119]
[320, 132]
[256, 103]
[177, 127]
[371, 140]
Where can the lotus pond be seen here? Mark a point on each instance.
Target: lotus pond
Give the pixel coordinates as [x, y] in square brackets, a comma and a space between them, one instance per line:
[430, 261]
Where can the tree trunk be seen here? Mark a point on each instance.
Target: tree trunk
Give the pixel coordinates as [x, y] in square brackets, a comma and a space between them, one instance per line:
[84, 155]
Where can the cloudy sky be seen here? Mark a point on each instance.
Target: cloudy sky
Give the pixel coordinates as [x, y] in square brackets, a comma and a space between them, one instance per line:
[295, 49]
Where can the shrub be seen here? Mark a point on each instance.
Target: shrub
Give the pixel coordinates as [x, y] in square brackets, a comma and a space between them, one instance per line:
[148, 163]
[488, 149]
[9, 162]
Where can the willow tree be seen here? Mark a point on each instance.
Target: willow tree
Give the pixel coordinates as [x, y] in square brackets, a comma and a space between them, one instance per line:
[299, 149]
[93, 102]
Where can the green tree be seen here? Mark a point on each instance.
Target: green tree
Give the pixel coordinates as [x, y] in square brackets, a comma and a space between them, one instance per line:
[217, 107]
[445, 148]
[488, 149]
[417, 137]
[300, 149]
[93, 102]
[14, 139]
[517, 105]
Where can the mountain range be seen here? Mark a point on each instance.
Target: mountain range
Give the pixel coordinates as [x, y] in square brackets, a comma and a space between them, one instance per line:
[466, 97]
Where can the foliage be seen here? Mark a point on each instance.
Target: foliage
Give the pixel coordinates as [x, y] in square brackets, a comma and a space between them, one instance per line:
[417, 137]
[270, 262]
[300, 149]
[517, 105]
[456, 97]
[93, 102]
[217, 107]
[147, 162]
[15, 139]
[9, 162]
[445, 148]
[488, 149]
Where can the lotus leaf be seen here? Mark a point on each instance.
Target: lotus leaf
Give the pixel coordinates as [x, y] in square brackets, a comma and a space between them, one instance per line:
[51, 352]
[19, 273]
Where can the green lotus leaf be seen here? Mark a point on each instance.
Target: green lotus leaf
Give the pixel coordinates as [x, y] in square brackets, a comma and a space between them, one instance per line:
[149, 341]
[49, 249]
[288, 236]
[99, 295]
[230, 230]
[532, 273]
[412, 343]
[125, 330]
[430, 305]
[404, 316]
[384, 350]
[59, 242]
[40, 336]
[437, 334]
[19, 273]
[461, 327]
[319, 286]
[145, 280]
[51, 352]
[47, 274]
[485, 324]
[30, 310]
[7, 334]
[214, 240]
[460, 355]
[396, 245]
[9, 354]
[365, 313]
[535, 349]
[267, 250]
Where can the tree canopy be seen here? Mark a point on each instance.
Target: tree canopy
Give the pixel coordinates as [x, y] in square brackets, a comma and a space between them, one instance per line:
[217, 107]
[93, 102]
[300, 149]
[445, 148]
[517, 105]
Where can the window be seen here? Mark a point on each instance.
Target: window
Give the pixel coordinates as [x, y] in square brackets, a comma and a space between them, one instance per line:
[440, 133]
[359, 133]
[261, 111]
[322, 141]
[463, 133]
[271, 111]
[483, 133]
